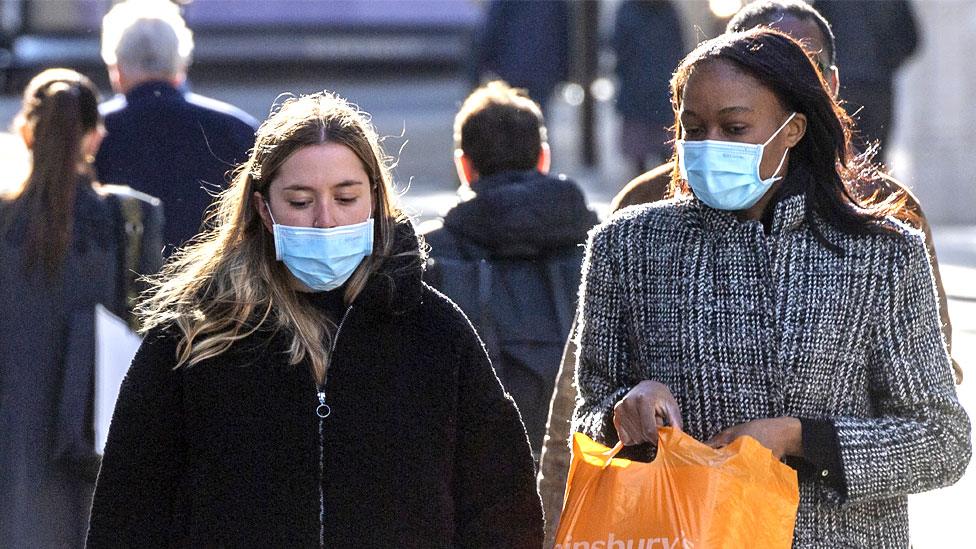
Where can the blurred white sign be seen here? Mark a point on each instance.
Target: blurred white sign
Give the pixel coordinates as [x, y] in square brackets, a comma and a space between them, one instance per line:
[115, 346]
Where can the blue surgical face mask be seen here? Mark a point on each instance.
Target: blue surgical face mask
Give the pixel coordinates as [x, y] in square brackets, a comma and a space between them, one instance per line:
[323, 259]
[725, 174]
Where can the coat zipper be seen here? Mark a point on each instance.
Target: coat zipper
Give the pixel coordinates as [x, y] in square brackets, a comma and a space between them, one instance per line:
[323, 411]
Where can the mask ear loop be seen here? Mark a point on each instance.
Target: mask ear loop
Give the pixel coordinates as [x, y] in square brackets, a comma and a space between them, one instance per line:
[275, 225]
[775, 133]
[773, 178]
[374, 197]
[268, 207]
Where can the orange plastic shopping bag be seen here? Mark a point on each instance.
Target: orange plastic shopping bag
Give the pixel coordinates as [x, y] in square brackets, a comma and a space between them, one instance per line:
[690, 497]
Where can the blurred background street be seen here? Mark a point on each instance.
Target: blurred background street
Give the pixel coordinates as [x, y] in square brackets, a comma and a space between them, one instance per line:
[413, 92]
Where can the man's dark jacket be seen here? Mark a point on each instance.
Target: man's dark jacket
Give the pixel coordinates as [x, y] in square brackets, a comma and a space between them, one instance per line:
[510, 257]
[174, 145]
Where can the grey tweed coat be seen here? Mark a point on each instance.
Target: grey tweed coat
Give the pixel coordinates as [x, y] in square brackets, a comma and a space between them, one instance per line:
[741, 325]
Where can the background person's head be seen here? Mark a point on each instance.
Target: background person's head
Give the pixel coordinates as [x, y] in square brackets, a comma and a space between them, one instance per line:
[59, 119]
[802, 22]
[60, 125]
[498, 129]
[145, 40]
[762, 61]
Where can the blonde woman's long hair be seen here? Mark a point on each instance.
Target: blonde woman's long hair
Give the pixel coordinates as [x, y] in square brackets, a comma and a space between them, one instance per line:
[226, 283]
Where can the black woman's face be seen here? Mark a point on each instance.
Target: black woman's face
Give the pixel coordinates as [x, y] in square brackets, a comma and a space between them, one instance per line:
[721, 102]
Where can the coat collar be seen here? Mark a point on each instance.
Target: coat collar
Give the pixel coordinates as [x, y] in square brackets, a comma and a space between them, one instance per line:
[153, 89]
[786, 212]
[785, 215]
[396, 287]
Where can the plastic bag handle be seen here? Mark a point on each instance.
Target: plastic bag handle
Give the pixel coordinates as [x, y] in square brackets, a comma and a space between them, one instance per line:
[611, 453]
[617, 448]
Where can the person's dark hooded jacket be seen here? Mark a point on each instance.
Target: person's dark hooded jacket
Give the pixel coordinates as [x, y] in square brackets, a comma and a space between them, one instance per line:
[510, 257]
[422, 447]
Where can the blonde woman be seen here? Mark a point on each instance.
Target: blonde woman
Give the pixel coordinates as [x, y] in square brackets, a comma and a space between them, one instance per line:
[299, 385]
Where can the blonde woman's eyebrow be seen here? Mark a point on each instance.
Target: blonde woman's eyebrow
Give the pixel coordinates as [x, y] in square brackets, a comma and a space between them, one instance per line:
[297, 187]
[303, 187]
[348, 183]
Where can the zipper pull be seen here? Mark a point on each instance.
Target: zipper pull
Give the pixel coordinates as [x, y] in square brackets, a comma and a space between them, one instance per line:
[323, 410]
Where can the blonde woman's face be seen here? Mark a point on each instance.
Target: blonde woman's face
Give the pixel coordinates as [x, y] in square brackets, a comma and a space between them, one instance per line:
[319, 186]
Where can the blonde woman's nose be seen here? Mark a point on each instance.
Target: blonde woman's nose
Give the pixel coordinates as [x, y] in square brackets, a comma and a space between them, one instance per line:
[324, 217]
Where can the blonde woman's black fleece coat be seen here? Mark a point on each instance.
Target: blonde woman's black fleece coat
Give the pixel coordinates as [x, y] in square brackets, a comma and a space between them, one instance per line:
[422, 447]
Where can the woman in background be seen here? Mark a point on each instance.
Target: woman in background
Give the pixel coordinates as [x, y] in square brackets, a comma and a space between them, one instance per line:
[63, 249]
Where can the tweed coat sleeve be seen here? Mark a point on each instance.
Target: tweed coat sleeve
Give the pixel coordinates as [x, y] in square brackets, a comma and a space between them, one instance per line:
[604, 373]
[919, 438]
[136, 502]
[497, 504]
